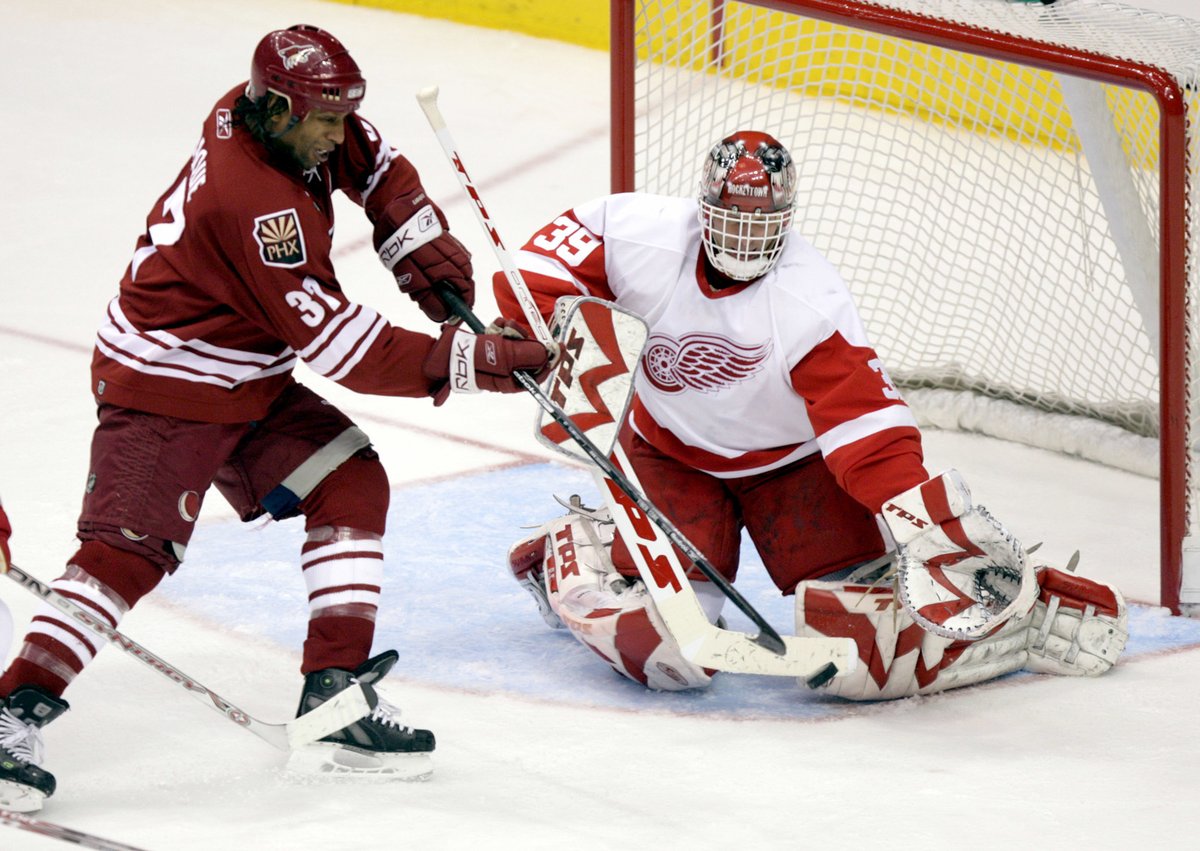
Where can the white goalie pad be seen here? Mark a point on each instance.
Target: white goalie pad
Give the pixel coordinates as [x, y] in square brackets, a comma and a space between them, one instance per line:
[600, 345]
[613, 617]
[897, 657]
[1076, 627]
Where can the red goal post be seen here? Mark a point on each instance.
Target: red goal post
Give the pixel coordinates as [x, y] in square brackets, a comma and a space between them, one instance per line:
[1007, 187]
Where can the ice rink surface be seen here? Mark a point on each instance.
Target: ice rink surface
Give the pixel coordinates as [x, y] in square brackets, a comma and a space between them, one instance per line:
[538, 745]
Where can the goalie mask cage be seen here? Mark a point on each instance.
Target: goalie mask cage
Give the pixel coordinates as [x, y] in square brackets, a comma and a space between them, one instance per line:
[1006, 187]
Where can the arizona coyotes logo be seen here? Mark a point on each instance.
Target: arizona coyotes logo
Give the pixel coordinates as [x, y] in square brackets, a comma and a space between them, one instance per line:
[280, 240]
[705, 362]
[296, 54]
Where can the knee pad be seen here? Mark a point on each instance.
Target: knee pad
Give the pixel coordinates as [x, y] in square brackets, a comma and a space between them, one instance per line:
[354, 495]
[606, 612]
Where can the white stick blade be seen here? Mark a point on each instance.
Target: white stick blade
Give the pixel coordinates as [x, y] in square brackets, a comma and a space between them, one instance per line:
[341, 710]
[729, 650]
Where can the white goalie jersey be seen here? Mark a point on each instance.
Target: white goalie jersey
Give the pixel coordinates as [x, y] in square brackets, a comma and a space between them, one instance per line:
[740, 380]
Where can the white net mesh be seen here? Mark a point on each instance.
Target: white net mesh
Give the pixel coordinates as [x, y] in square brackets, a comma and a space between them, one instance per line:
[998, 224]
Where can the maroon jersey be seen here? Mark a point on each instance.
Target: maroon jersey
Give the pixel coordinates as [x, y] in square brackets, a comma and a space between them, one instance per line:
[232, 282]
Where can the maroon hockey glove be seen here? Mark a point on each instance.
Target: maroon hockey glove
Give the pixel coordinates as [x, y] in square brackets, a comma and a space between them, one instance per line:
[414, 244]
[468, 363]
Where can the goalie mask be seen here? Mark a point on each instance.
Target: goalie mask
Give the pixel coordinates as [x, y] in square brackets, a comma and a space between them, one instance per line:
[308, 68]
[747, 200]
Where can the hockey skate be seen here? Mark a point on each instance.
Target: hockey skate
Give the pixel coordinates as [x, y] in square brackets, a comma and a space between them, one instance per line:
[377, 747]
[23, 785]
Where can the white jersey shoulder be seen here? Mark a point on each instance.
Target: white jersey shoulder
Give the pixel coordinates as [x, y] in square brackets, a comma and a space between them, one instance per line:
[653, 239]
[649, 240]
[715, 381]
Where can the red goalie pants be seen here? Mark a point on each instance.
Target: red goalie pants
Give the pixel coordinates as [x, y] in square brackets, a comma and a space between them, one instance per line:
[802, 523]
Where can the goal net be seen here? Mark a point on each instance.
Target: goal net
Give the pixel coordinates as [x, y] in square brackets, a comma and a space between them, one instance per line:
[1006, 187]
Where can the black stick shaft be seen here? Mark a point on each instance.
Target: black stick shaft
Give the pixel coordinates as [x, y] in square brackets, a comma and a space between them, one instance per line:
[767, 636]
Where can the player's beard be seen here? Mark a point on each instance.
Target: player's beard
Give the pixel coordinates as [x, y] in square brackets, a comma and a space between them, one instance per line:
[285, 157]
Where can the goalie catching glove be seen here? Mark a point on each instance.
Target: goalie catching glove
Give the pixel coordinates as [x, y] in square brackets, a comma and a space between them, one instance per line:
[468, 363]
[413, 242]
[959, 572]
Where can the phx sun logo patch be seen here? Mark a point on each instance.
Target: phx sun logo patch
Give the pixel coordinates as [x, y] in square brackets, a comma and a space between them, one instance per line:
[280, 239]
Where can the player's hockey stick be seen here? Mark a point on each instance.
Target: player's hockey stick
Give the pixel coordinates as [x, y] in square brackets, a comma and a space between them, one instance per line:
[427, 98]
[340, 711]
[66, 834]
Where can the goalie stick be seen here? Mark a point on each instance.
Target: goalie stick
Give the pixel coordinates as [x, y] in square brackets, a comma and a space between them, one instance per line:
[339, 711]
[816, 660]
[600, 344]
[66, 834]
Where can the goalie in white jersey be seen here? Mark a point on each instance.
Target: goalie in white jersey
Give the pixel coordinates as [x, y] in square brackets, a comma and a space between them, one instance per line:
[760, 404]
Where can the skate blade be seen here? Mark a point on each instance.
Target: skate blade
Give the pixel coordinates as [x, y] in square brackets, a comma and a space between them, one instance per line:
[19, 798]
[328, 760]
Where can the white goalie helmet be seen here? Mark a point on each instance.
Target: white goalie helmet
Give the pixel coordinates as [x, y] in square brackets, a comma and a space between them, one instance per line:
[747, 202]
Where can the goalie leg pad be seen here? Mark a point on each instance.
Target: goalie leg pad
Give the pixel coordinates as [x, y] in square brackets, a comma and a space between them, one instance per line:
[612, 617]
[898, 657]
[1078, 627]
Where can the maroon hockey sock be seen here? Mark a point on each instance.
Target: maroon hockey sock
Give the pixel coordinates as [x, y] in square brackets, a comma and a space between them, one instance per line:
[337, 642]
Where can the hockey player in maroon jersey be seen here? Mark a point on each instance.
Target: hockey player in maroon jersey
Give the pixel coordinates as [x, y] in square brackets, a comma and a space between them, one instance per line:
[760, 404]
[230, 286]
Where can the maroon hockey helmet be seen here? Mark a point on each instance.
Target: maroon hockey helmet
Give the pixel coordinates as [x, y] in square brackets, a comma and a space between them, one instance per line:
[747, 199]
[308, 67]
